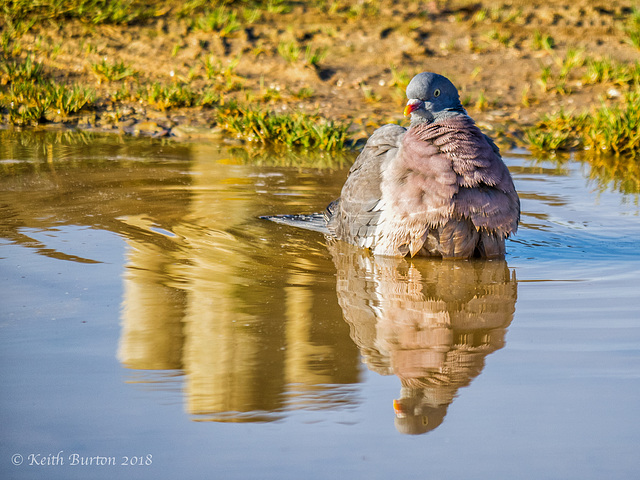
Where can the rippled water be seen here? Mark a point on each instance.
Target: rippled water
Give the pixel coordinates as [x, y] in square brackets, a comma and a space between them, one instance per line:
[149, 317]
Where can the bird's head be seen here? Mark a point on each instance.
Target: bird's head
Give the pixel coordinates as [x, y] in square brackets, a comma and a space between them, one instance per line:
[432, 97]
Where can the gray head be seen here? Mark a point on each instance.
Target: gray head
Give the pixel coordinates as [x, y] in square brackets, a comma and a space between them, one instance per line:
[432, 97]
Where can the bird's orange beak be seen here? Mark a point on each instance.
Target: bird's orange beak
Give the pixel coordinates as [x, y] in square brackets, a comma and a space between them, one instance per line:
[397, 408]
[411, 106]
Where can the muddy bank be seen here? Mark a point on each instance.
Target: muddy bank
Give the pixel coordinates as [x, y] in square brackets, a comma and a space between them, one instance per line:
[173, 70]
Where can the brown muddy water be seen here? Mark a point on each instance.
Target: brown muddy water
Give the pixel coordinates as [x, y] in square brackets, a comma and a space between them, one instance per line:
[152, 326]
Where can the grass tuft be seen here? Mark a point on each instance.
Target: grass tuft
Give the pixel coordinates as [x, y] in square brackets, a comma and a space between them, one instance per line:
[543, 41]
[106, 71]
[220, 20]
[290, 51]
[164, 97]
[29, 96]
[615, 129]
[605, 70]
[604, 130]
[290, 129]
[633, 28]
[503, 38]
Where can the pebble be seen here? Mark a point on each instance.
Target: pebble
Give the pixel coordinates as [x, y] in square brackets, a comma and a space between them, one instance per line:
[125, 123]
[146, 128]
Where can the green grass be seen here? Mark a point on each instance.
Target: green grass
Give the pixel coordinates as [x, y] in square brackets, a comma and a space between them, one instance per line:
[543, 41]
[606, 70]
[67, 99]
[28, 103]
[555, 78]
[221, 20]
[224, 76]
[482, 103]
[106, 71]
[480, 16]
[91, 11]
[499, 15]
[293, 53]
[29, 96]
[526, 97]
[276, 6]
[634, 38]
[550, 140]
[545, 79]
[615, 129]
[304, 93]
[209, 99]
[500, 37]
[169, 96]
[563, 75]
[14, 70]
[348, 9]
[164, 97]
[289, 129]
[313, 56]
[606, 130]
[289, 50]
[633, 28]
[573, 59]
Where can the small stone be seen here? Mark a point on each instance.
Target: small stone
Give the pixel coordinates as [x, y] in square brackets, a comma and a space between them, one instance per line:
[613, 93]
[126, 123]
[148, 128]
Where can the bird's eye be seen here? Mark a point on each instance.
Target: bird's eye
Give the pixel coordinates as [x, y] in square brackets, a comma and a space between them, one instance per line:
[436, 92]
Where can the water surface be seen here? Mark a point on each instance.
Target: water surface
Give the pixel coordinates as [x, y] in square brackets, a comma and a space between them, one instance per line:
[149, 316]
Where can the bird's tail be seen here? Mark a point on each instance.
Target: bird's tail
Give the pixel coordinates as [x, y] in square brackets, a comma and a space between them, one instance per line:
[314, 221]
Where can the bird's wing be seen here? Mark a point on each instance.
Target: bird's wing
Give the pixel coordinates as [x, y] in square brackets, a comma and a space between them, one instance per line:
[486, 193]
[354, 216]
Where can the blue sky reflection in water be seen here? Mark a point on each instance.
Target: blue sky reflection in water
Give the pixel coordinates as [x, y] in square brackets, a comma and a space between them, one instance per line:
[147, 311]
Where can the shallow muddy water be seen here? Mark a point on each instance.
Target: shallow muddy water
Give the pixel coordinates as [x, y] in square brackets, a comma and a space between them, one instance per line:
[152, 326]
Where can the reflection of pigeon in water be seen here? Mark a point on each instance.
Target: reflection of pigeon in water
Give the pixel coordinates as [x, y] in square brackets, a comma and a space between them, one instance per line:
[430, 323]
[439, 188]
[414, 414]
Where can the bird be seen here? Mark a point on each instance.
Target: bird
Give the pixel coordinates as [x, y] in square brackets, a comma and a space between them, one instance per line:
[438, 188]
